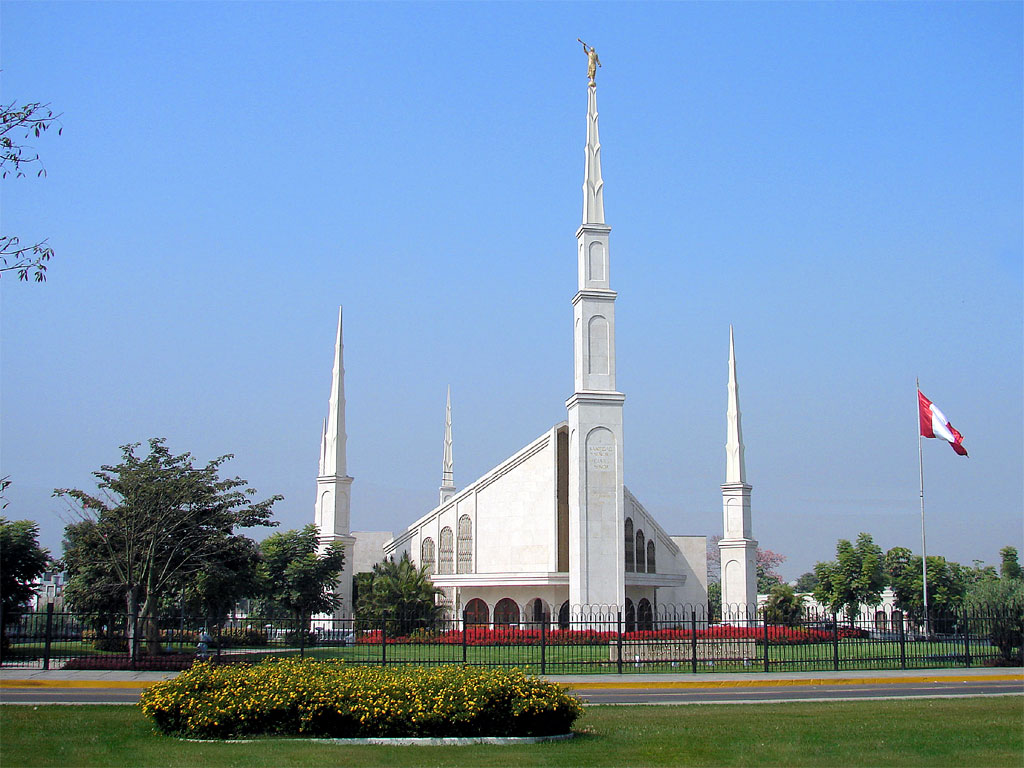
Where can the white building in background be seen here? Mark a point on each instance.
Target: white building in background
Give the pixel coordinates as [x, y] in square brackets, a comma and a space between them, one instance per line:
[553, 530]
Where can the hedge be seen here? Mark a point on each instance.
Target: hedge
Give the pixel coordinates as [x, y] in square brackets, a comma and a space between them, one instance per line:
[331, 700]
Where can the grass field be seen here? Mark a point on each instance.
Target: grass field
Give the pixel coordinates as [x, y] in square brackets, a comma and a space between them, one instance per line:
[923, 732]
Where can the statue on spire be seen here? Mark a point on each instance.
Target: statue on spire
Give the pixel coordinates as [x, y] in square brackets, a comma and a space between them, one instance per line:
[592, 61]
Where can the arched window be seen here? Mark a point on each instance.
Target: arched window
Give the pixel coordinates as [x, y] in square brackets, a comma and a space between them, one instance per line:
[644, 616]
[650, 556]
[629, 545]
[641, 552]
[477, 612]
[428, 556]
[563, 616]
[506, 613]
[630, 616]
[897, 621]
[465, 545]
[881, 621]
[447, 563]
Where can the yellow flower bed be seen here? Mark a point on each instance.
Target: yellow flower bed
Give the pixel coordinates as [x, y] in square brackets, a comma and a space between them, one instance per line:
[331, 699]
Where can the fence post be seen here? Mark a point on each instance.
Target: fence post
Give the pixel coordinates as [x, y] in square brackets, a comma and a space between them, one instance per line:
[543, 646]
[133, 645]
[300, 630]
[384, 638]
[693, 640]
[49, 636]
[764, 617]
[618, 634]
[220, 640]
[465, 616]
[903, 643]
[835, 642]
[967, 638]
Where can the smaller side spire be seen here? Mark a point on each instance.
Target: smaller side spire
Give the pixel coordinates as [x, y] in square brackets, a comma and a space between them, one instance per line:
[735, 467]
[447, 489]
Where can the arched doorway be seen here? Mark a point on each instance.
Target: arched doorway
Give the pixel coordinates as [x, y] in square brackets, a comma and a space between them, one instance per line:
[477, 612]
[538, 612]
[506, 613]
[630, 616]
[563, 616]
[645, 616]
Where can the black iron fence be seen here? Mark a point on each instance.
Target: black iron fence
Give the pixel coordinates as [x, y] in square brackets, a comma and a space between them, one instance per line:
[673, 639]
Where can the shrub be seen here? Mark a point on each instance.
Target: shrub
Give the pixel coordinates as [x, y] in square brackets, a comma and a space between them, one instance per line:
[329, 699]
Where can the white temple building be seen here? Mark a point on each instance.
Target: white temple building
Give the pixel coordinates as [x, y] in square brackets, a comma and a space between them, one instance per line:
[553, 530]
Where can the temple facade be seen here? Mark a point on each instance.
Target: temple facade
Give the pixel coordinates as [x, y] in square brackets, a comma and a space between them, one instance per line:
[553, 531]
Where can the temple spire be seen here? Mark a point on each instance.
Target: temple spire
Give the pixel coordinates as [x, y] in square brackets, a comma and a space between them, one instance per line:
[333, 461]
[447, 489]
[735, 467]
[593, 184]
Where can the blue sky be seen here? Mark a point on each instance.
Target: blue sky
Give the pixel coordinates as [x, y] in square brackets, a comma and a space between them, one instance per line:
[841, 182]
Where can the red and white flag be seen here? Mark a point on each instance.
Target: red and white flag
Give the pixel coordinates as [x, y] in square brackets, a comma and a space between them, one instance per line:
[935, 424]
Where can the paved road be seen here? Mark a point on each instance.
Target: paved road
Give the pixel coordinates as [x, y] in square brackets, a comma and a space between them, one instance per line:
[616, 693]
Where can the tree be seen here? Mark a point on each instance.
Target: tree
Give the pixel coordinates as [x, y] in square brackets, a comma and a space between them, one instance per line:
[231, 575]
[766, 562]
[947, 582]
[158, 523]
[784, 606]
[714, 601]
[16, 124]
[1000, 600]
[296, 580]
[1009, 568]
[856, 577]
[22, 561]
[400, 590]
[806, 583]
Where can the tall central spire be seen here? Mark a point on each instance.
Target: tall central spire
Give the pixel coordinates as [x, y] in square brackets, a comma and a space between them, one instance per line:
[596, 495]
[735, 467]
[593, 184]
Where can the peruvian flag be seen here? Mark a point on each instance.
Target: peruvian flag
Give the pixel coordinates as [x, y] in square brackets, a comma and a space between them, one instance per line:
[935, 424]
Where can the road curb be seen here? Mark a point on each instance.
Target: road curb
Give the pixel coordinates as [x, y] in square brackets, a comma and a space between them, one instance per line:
[78, 683]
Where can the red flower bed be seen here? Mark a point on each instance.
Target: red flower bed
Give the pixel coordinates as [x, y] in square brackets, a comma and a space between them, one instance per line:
[487, 636]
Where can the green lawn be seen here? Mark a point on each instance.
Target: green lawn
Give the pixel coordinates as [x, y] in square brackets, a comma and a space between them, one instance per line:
[583, 659]
[923, 732]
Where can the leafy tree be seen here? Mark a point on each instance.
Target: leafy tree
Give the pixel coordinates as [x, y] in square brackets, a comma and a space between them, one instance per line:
[784, 606]
[231, 575]
[296, 579]
[856, 577]
[766, 562]
[159, 522]
[1009, 568]
[18, 123]
[1001, 602]
[806, 583]
[402, 591]
[22, 561]
[947, 582]
[714, 601]
[1000, 599]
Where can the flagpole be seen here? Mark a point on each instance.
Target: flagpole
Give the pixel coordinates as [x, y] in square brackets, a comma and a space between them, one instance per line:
[924, 548]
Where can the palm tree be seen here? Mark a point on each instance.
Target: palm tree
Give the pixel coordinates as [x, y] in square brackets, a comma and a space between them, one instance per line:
[403, 594]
